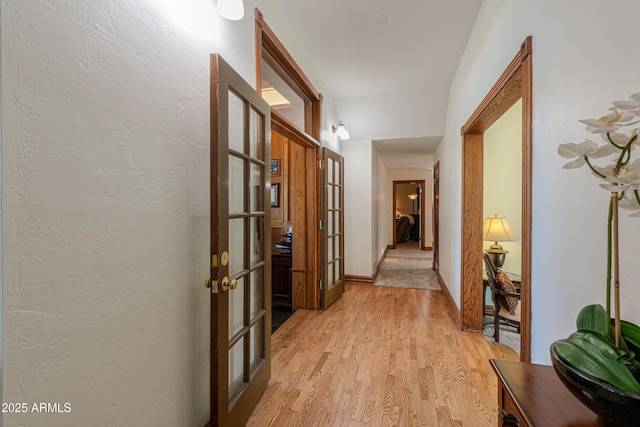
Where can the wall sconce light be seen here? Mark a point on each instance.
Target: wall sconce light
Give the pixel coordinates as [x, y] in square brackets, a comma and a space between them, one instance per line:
[341, 131]
[498, 229]
[232, 10]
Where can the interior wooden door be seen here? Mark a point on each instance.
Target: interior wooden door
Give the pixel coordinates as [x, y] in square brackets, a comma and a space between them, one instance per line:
[240, 246]
[436, 216]
[333, 227]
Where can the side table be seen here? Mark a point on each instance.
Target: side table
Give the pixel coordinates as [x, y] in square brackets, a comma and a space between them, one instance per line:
[532, 395]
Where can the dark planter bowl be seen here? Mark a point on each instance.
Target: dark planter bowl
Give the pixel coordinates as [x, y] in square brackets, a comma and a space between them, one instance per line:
[614, 406]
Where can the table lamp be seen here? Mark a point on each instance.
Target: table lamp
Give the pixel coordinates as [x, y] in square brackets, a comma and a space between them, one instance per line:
[497, 229]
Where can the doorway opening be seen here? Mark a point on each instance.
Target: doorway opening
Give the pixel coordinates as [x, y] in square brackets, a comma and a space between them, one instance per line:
[409, 213]
[514, 84]
[295, 120]
[293, 227]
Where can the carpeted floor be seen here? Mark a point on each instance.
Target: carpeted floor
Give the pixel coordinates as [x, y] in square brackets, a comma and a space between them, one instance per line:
[507, 337]
[407, 267]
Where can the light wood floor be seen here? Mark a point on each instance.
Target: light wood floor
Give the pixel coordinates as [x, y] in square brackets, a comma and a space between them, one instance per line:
[380, 357]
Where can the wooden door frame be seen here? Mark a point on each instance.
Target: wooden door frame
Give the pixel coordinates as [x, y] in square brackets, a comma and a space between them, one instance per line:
[308, 137]
[422, 184]
[309, 297]
[291, 72]
[436, 218]
[514, 84]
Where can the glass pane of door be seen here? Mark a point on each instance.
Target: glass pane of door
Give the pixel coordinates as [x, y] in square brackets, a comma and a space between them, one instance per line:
[245, 342]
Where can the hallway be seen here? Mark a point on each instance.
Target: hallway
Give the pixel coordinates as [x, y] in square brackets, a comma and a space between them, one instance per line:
[407, 267]
[380, 356]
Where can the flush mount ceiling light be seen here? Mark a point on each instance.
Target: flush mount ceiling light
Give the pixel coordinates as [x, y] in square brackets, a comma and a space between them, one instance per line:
[341, 131]
[380, 19]
[273, 97]
[232, 10]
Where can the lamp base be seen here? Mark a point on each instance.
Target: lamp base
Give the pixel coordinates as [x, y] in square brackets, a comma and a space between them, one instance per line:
[497, 256]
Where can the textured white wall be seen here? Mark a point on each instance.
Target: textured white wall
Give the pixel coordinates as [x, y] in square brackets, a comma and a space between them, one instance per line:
[399, 115]
[1, 263]
[569, 210]
[374, 209]
[502, 183]
[382, 201]
[105, 169]
[358, 215]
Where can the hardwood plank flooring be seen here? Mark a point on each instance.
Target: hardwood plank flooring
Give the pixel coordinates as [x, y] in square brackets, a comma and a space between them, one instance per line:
[380, 357]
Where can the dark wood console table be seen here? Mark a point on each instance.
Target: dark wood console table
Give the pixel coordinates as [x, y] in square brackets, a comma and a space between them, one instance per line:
[281, 292]
[532, 395]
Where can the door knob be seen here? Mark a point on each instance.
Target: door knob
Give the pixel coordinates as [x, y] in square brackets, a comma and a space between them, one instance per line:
[233, 284]
[225, 284]
[207, 283]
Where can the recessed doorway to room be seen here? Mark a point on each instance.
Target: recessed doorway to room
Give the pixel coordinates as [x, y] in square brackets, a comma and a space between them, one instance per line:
[295, 123]
[292, 213]
[514, 84]
[502, 183]
[409, 211]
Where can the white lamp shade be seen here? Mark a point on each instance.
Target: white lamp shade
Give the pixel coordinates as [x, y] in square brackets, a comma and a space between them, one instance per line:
[341, 131]
[497, 229]
[232, 10]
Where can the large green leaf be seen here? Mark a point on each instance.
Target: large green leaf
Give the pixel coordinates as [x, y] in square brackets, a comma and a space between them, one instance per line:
[592, 354]
[593, 318]
[631, 333]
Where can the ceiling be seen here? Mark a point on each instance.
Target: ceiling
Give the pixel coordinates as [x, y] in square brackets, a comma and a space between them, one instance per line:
[386, 60]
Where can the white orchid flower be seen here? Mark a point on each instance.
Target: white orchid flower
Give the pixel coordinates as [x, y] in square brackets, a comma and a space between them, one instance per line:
[604, 151]
[578, 152]
[603, 172]
[632, 105]
[615, 188]
[630, 174]
[627, 178]
[609, 123]
[619, 139]
[629, 203]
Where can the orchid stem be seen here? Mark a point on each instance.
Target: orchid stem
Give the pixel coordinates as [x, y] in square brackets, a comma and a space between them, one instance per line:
[616, 268]
[619, 147]
[586, 159]
[609, 248]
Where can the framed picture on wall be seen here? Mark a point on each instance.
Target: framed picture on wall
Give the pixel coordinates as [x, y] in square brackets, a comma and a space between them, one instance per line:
[275, 166]
[275, 195]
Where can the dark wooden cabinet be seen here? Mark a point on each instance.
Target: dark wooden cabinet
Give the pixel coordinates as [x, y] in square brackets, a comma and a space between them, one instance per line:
[532, 395]
[281, 294]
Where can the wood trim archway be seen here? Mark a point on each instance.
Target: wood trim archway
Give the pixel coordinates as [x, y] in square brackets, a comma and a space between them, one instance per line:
[290, 71]
[514, 84]
[306, 261]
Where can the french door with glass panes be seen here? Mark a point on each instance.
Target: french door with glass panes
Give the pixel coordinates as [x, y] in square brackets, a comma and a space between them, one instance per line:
[240, 279]
[333, 227]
